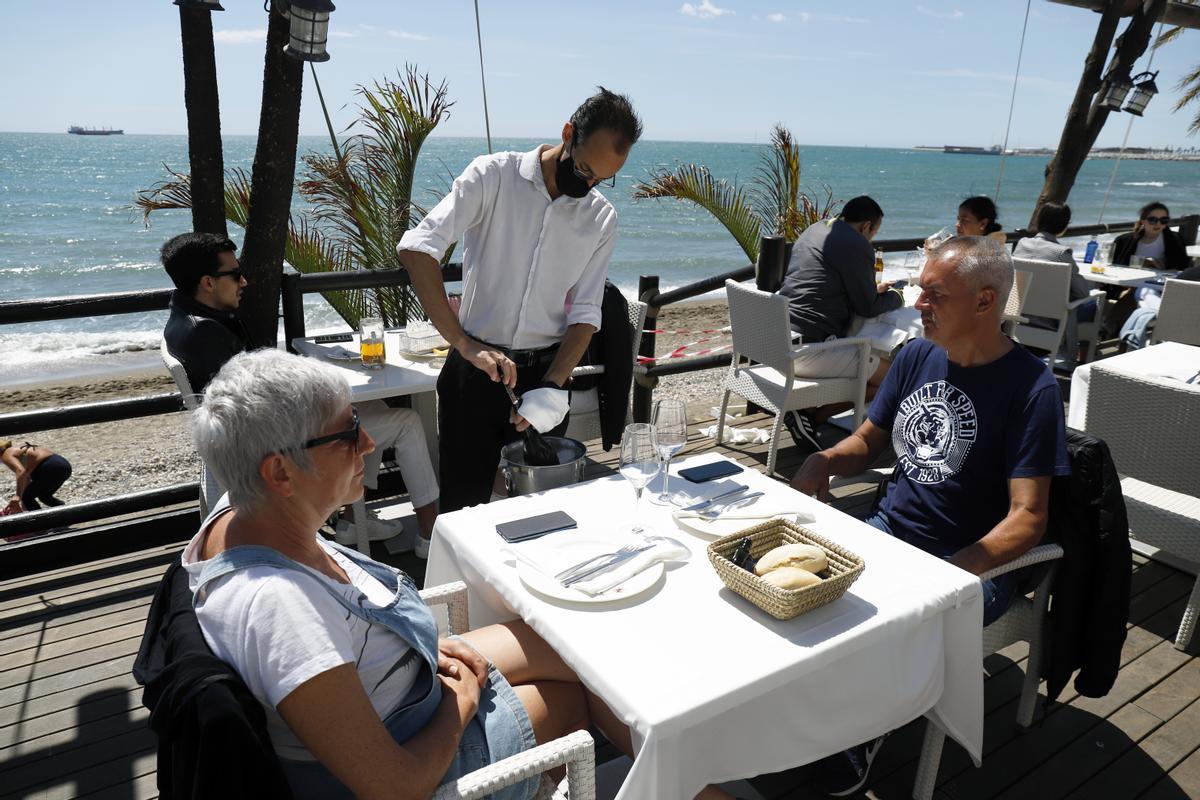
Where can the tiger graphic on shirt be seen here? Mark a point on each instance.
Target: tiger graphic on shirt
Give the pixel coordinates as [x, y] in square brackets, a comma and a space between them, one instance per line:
[934, 430]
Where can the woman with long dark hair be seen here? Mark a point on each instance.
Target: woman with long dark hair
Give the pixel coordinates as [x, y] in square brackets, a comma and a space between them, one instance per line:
[1151, 240]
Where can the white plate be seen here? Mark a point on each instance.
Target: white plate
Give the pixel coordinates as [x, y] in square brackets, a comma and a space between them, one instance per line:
[425, 355]
[716, 528]
[545, 585]
[341, 354]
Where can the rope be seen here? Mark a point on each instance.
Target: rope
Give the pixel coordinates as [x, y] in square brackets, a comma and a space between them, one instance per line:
[726, 329]
[487, 123]
[678, 353]
[1129, 127]
[1012, 103]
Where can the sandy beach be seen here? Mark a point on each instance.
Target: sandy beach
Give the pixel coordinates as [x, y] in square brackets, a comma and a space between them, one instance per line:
[150, 452]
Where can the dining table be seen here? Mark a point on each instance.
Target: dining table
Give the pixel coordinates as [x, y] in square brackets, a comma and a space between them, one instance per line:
[712, 687]
[1172, 360]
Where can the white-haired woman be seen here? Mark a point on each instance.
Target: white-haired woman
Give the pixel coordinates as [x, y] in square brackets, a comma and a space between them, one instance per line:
[361, 695]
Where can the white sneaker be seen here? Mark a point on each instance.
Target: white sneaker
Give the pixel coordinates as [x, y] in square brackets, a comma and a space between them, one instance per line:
[346, 532]
[421, 548]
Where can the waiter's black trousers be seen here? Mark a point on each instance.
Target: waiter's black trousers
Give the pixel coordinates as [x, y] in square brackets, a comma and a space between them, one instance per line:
[473, 425]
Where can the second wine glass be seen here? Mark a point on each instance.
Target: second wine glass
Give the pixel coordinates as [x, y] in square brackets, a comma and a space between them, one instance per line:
[639, 462]
[670, 435]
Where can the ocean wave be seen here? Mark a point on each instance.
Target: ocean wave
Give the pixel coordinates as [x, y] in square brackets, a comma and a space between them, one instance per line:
[34, 348]
[17, 270]
[119, 265]
[1158, 184]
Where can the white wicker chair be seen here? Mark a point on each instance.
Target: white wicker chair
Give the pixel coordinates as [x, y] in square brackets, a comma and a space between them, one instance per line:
[1023, 622]
[1049, 290]
[210, 490]
[1178, 314]
[761, 333]
[1152, 427]
[1015, 303]
[585, 425]
[576, 751]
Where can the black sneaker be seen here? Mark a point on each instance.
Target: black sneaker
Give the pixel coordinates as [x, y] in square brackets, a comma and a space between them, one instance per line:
[845, 773]
[803, 430]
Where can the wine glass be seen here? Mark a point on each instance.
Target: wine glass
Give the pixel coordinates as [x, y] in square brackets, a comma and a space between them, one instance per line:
[639, 462]
[670, 433]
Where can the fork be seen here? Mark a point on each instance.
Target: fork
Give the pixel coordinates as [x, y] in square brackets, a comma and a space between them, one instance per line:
[718, 510]
[572, 570]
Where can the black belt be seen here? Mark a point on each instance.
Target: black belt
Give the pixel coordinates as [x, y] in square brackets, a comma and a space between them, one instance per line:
[525, 358]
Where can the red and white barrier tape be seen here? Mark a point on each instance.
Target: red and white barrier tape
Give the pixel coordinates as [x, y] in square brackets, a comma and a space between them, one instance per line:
[726, 329]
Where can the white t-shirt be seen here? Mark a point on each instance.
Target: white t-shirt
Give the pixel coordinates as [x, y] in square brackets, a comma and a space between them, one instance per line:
[280, 628]
[1156, 250]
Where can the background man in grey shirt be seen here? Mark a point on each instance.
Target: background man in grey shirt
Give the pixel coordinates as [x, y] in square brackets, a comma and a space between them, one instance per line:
[831, 278]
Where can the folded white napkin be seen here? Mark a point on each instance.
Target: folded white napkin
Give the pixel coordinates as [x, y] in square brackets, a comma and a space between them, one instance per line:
[748, 512]
[662, 551]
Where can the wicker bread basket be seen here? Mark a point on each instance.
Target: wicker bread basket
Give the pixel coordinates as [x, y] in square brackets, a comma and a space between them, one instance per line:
[844, 568]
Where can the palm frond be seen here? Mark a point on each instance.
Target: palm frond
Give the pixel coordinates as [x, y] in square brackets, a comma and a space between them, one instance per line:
[1190, 86]
[730, 204]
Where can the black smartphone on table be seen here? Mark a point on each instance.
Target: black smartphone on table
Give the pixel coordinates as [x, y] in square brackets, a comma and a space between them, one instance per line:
[522, 530]
[710, 472]
[330, 338]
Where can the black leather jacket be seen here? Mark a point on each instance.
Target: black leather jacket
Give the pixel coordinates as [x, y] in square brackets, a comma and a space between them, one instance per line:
[202, 338]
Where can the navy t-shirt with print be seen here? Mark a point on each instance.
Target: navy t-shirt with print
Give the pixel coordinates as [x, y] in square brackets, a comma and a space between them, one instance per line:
[960, 434]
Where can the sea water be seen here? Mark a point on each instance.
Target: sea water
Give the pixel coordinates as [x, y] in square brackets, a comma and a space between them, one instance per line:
[67, 223]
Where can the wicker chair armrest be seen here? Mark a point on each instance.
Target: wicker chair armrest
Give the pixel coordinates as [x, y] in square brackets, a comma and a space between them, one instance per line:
[1039, 554]
[591, 369]
[852, 342]
[576, 751]
[1092, 295]
[453, 595]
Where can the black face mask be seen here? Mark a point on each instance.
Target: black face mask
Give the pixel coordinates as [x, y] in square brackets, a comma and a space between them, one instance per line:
[567, 181]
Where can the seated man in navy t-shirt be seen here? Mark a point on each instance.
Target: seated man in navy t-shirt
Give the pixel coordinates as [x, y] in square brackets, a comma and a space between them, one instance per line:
[976, 422]
[977, 425]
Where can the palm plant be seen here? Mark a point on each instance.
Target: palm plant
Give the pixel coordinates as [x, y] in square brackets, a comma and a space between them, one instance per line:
[1189, 84]
[361, 195]
[774, 204]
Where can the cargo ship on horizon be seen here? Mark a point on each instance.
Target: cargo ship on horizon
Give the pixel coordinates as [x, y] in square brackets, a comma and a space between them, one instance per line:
[78, 131]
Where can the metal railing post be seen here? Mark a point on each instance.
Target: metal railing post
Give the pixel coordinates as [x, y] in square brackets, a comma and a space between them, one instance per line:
[643, 385]
[293, 307]
[768, 276]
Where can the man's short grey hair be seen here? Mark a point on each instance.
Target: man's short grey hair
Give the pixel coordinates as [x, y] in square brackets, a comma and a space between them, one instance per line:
[260, 403]
[983, 263]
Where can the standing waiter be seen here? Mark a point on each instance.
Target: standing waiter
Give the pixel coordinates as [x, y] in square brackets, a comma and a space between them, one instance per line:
[537, 240]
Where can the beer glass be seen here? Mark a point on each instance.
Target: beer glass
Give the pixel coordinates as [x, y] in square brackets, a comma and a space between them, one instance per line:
[371, 342]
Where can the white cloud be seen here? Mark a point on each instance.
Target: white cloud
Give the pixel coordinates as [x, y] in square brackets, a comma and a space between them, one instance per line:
[776, 17]
[416, 37]
[1033, 81]
[706, 10]
[240, 37]
[929, 12]
[342, 35]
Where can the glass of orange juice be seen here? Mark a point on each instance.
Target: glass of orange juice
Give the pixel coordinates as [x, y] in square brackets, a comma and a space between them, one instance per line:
[371, 342]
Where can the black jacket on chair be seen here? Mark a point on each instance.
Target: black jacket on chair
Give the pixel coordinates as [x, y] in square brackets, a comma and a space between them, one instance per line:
[212, 733]
[612, 346]
[202, 338]
[1089, 605]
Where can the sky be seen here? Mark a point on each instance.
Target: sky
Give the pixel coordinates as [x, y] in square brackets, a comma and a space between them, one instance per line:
[887, 73]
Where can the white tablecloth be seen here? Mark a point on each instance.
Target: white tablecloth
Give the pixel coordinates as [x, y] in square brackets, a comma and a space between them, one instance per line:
[1169, 359]
[714, 688]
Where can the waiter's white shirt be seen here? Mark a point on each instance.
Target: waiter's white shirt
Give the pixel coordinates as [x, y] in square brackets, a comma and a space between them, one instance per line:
[532, 266]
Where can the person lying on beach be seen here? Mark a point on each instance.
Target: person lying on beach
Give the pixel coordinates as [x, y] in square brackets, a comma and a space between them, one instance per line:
[40, 473]
[831, 278]
[362, 697]
[203, 332]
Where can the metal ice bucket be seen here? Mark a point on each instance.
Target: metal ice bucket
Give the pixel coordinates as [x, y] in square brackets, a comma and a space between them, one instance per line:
[520, 478]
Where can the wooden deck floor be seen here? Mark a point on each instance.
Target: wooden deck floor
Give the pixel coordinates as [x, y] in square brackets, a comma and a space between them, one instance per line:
[72, 723]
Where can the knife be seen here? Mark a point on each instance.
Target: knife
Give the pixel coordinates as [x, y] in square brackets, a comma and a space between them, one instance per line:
[606, 566]
[738, 489]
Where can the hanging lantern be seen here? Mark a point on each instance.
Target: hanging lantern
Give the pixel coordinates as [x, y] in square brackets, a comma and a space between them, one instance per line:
[200, 5]
[309, 29]
[1142, 94]
[1115, 96]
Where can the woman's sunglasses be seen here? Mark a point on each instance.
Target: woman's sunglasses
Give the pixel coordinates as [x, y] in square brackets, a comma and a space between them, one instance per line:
[348, 435]
[1158, 220]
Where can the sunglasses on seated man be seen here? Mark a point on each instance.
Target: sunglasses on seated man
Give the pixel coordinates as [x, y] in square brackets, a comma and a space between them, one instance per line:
[236, 274]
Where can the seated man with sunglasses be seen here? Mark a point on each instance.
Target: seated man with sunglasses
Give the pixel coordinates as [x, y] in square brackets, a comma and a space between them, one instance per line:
[203, 332]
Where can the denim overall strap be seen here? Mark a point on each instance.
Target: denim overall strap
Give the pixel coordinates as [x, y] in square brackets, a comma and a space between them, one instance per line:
[407, 616]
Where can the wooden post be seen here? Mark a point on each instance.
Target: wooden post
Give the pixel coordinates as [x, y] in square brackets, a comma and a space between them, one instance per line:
[768, 276]
[204, 121]
[643, 386]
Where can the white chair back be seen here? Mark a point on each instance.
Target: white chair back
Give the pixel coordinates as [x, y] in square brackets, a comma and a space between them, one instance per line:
[179, 374]
[1178, 314]
[761, 328]
[1049, 287]
[1015, 304]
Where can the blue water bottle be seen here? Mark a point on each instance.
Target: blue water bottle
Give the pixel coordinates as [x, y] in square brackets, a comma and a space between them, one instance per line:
[1090, 254]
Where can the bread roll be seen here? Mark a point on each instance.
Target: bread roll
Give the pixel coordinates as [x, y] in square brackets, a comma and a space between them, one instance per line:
[802, 556]
[791, 578]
